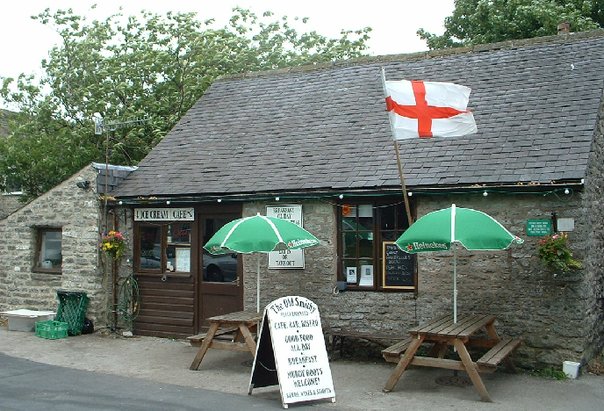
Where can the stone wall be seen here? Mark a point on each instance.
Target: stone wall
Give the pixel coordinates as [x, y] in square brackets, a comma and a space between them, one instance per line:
[546, 309]
[76, 212]
[8, 204]
[318, 277]
[594, 257]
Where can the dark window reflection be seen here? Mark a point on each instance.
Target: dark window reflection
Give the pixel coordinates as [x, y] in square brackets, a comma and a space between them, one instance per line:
[150, 251]
[217, 268]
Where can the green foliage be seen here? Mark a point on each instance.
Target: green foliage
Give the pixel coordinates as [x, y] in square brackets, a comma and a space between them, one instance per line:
[550, 373]
[489, 21]
[145, 66]
[555, 253]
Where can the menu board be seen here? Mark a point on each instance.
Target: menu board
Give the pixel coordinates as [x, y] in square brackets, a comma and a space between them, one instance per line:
[291, 352]
[398, 268]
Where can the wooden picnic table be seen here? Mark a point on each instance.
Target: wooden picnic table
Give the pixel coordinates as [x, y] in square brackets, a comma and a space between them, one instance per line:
[443, 333]
[240, 325]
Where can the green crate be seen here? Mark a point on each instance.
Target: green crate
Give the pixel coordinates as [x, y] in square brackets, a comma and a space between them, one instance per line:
[72, 310]
[51, 330]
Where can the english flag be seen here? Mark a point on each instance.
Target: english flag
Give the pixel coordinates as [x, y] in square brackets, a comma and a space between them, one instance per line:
[425, 109]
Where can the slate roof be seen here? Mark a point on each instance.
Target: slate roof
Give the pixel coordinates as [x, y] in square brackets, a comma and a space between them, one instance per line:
[110, 176]
[535, 102]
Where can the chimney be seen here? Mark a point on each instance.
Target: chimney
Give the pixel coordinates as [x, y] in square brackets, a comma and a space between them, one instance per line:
[564, 27]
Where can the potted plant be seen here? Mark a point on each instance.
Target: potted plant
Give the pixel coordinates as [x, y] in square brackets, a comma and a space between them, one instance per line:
[554, 252]
[113, 244]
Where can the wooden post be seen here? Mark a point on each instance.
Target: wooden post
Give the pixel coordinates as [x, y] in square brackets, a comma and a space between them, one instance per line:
[398, 159]
[403, 186]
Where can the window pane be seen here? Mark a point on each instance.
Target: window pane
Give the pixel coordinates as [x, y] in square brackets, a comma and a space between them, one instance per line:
[49, 255]
[217, 268]
[366, 245]
[387, 220]
[367, 275]
[179, 259]
[349, 244]
[350, 271]
[179, 233]
[366, 217]
[349, 210]
[150, 251]
[390, 236]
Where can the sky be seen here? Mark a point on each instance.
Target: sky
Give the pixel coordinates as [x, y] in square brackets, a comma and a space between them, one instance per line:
[25, 42]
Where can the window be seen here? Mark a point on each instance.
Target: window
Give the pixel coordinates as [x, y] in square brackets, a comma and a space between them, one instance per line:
[363, 229]
[48, 250]
[165, 247]
[218, 268]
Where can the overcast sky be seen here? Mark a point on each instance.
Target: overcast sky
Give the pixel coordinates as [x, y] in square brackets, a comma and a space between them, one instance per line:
[26, 42]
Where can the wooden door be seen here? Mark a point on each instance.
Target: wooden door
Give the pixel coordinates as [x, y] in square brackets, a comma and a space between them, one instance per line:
[220, 276]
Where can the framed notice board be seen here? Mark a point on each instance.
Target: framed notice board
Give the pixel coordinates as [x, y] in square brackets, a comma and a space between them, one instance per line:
[398, 268]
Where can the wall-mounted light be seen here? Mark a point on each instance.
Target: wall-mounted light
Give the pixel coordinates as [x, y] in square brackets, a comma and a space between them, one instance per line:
[120, 202]
[566, 191]
[168, 202]
[341, 196]
[219, 200]
[276, 198]
[484, 193]
[84, 185]
[410, 194]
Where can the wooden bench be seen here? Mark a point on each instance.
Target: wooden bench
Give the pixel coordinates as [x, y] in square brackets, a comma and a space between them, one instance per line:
[339, 335]
[500, 352]
[196, 340]
[394, 352]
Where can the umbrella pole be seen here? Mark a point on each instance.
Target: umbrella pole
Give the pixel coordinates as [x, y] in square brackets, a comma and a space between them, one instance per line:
[258, 283]
[454, 284]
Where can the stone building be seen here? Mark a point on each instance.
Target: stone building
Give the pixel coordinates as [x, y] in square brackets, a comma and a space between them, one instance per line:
[10, 199]
[314, 143]
[52, 243]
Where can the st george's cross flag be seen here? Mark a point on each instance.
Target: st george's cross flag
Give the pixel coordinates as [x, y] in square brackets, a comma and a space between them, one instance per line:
[425, 109]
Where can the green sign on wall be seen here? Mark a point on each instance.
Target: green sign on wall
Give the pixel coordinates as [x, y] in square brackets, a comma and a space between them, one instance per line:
[538, 228]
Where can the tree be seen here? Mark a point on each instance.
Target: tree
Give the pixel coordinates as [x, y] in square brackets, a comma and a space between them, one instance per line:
[489, 21]
[152, 67]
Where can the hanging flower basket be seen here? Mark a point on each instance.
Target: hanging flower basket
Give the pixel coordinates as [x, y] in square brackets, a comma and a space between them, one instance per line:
[555, 253]
[113, 244]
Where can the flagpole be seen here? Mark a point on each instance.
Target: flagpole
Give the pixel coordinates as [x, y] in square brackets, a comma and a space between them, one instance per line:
[398, 158]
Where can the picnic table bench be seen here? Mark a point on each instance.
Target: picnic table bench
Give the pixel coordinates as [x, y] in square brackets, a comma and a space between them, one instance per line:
[242, 325]
[443, 333]
[228, 333]
[338, 335]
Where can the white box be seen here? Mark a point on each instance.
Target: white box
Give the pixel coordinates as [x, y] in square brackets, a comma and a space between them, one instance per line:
[571, 369]
[25, 320]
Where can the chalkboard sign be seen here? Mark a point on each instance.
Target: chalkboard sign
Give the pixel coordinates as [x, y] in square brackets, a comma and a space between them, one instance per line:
[398, 268]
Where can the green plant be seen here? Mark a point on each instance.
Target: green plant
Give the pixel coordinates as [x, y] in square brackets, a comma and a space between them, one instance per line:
[555, 253]
[550, 373]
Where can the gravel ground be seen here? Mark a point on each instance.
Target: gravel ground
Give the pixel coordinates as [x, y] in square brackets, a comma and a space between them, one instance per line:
[358, 385]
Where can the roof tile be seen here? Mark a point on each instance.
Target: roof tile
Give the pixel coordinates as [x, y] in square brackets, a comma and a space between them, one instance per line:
[326, 127]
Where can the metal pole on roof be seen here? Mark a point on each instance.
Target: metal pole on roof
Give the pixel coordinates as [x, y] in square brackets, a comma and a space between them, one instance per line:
[398, 159]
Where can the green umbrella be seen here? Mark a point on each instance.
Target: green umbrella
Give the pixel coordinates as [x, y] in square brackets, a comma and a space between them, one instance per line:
[259, 234]
[472, 229]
